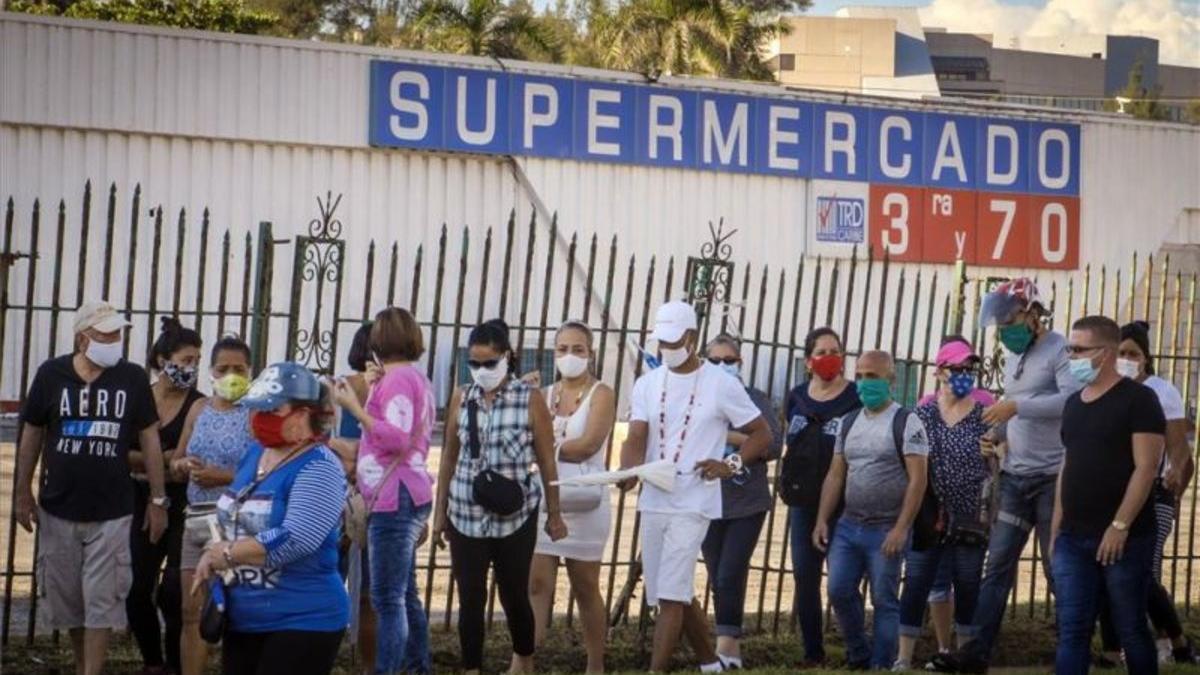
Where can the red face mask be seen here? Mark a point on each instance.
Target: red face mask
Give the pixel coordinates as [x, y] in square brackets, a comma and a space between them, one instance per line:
[268, 429]
[826, 366]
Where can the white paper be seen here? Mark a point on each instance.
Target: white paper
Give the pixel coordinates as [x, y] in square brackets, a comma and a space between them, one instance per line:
[660, 474]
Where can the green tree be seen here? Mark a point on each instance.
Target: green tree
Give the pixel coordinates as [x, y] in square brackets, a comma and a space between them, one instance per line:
[227, 16]
[1142, 101]
[483, 28]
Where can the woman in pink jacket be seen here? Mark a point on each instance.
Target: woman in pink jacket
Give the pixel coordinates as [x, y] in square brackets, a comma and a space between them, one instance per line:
[391, 474]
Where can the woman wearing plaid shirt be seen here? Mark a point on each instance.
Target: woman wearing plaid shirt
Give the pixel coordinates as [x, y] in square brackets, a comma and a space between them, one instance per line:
[514, 431]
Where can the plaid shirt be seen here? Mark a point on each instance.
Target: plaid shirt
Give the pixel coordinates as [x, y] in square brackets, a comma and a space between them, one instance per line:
[506, 447]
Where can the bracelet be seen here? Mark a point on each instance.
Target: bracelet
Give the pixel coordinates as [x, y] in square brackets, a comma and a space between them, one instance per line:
[735, 462]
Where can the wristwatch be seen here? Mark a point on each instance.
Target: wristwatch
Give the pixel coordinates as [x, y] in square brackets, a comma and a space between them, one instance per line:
[163, 502]
[1119, 525]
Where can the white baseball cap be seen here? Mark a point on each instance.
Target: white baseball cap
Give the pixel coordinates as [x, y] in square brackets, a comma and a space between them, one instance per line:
[672, 320]
[98, 315]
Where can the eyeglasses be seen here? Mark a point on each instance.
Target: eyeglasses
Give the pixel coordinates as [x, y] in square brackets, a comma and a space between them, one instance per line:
[1076, 350]
[476, 365]
[728, 360]
[960, 370]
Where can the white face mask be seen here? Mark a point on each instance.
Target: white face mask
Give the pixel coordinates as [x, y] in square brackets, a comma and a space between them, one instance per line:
[673, 358]
[1128, 368]
[571, 366]
[105, 355]
[490, 378]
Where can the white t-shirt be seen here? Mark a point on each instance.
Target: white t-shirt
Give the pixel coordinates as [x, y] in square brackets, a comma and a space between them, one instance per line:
[1172, 407]
[721, 402]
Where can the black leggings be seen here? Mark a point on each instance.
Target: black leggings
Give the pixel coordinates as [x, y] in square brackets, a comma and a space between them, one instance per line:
[285, 652]
[154, 587]
[511, 557]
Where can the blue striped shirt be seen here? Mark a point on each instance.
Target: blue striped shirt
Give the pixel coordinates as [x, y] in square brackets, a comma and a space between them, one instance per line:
[295, 514]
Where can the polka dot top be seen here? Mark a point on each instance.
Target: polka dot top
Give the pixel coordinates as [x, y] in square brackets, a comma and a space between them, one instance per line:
[956, 466]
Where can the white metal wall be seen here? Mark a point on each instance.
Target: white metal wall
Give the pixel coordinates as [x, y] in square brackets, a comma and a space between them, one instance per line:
[255, 129]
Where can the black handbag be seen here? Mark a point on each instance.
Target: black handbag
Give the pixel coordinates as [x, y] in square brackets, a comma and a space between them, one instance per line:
[213, 617]
[493, 491]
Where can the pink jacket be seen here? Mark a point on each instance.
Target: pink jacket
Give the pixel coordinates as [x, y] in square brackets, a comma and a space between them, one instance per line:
[402, 408]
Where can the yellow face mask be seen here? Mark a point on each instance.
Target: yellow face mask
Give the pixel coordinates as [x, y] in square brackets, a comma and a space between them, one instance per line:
[231, 387]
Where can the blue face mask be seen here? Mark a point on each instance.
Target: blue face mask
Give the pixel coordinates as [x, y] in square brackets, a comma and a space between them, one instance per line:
[1083, 371]
[961, 384]
[731, 369]
[874, 394]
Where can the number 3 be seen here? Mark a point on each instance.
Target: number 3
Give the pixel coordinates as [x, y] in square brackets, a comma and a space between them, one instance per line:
[899, 223]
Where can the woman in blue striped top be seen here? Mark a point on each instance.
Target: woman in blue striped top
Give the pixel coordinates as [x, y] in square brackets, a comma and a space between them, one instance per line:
[287, 607]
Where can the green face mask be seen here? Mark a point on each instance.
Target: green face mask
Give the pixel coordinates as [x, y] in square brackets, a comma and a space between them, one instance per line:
[1016, 338]
[874, 394]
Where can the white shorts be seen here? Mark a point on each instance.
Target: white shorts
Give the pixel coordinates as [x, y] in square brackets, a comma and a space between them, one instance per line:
[670, 549]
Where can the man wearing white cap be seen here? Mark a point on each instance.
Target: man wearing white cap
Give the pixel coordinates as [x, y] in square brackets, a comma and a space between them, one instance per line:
[681, 412]
[82, 413]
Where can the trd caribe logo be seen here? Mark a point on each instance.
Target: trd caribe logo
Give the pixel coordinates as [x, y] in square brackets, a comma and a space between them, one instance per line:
[841, 219]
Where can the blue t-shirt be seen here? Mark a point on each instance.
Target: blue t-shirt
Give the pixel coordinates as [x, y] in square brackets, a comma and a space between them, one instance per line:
[295, 514]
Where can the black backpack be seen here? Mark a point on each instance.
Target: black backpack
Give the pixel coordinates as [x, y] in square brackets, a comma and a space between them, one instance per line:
[927, 526]
[804, 465]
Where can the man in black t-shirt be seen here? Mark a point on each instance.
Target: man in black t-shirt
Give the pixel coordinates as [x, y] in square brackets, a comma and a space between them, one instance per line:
[1103, 528]
[82, 413]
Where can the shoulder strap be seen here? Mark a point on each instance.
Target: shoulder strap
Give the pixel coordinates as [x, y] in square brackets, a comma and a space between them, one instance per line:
[847, 422]
[473, 428]
[899, 425]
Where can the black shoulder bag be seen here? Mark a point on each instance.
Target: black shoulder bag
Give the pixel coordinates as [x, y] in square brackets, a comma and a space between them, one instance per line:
[493, 491]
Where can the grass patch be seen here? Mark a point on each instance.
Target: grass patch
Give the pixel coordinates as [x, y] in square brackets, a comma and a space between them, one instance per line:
[1026, 646]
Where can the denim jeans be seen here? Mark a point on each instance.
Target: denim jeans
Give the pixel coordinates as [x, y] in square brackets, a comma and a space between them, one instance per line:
[1079, 579]
[727, 549]
[807, 561]
[1026, 503]
[392, 539]
[964, 565]
[854, 553]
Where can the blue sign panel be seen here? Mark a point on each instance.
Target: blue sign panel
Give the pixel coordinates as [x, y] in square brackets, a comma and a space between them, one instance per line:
[490, 111]
[783, 137]
[541, 113]
[896, 147]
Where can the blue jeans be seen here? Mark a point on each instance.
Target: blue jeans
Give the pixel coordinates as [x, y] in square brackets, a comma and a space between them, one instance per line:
[1026, 503]
[855, 552]
[806, 573]
[727, 549]
[1079, 580]
[402, 630]
[962, 566]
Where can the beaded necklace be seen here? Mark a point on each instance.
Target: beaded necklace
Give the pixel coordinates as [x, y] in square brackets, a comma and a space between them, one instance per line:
[662, 419]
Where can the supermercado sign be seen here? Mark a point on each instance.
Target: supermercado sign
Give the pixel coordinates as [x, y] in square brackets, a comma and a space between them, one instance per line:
[928, 187]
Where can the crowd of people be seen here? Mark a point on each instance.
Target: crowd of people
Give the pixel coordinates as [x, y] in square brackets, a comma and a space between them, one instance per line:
[281, 516]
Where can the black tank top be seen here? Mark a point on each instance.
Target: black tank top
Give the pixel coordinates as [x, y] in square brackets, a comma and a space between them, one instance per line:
[169, 433]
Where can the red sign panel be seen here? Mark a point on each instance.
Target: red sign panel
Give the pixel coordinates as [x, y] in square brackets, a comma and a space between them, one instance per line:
[1054, 232]
[897, 223]
[949, 226]
[1003, 230]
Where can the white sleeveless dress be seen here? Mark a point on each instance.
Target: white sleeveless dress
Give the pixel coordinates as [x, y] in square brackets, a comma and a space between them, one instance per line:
[587, 532]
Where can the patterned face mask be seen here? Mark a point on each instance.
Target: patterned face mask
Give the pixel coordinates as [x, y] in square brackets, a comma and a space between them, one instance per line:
[183, 377]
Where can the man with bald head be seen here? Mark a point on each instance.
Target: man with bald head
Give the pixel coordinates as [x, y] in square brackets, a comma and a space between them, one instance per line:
[879, 474]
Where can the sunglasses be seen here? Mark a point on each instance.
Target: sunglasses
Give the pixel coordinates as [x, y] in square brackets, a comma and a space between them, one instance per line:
[729, 360]
[476, 365]
[959, 370]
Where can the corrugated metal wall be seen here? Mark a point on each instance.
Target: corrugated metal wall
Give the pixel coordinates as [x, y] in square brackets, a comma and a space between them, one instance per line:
[255, 129]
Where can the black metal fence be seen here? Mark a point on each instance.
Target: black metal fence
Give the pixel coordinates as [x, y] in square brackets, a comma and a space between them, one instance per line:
[303, 304]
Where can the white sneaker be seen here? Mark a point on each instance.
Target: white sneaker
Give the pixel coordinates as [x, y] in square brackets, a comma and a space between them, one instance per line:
[714, 667]
[901, 666]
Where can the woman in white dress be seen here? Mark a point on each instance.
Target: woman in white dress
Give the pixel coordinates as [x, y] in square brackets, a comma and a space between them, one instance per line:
[584, 410]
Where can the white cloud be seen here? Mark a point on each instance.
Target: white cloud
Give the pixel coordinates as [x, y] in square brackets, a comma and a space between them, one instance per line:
[1175, 23]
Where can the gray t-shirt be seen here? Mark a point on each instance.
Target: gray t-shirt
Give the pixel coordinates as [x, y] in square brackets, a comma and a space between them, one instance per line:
[1041, 391]
[750, 493]
[876, 479]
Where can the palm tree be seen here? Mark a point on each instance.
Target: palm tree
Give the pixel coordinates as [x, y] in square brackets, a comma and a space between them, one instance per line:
[674, 37]
[483, 28]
